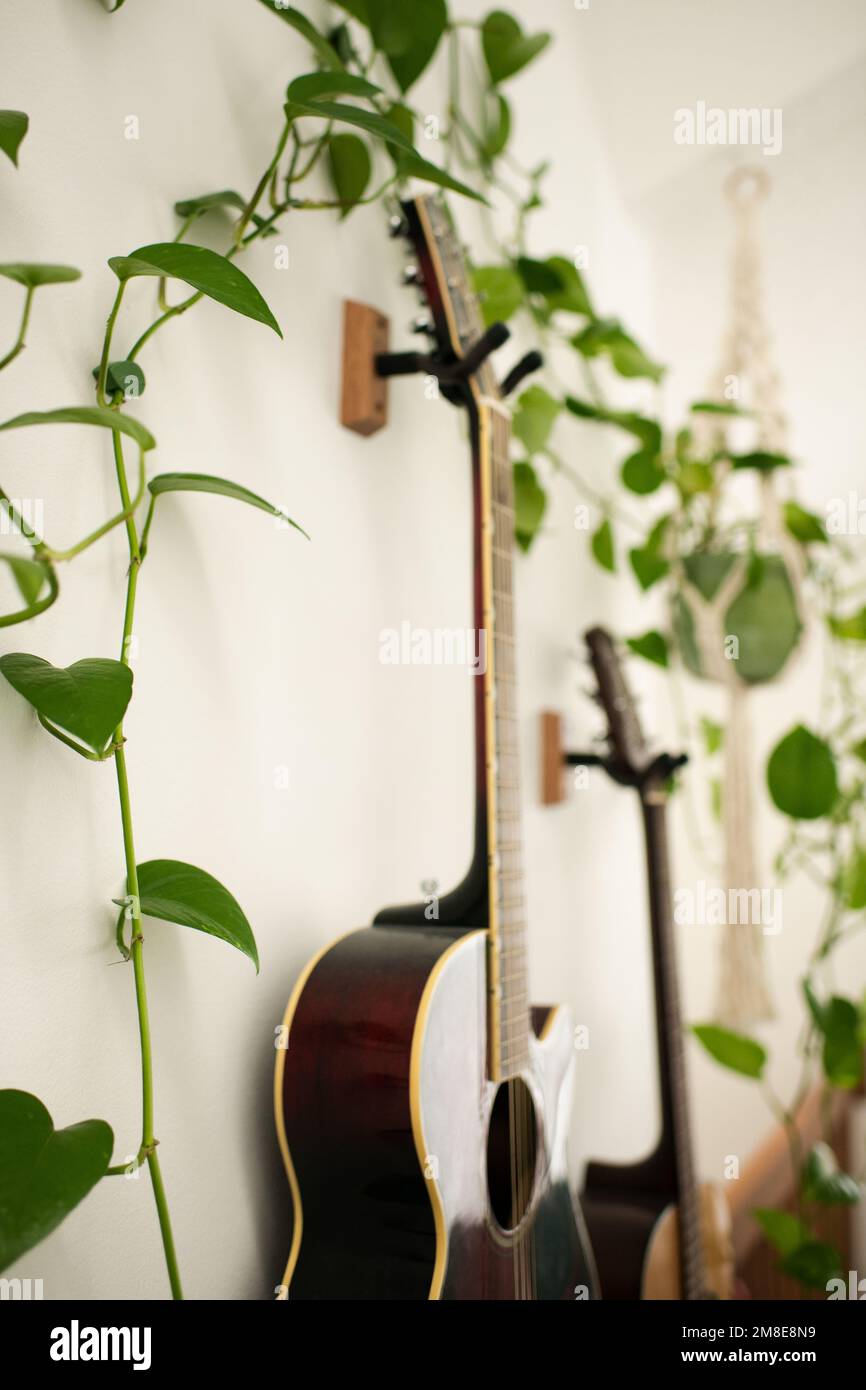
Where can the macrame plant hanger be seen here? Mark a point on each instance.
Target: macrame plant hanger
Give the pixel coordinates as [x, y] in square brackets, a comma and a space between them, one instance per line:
[746, 376]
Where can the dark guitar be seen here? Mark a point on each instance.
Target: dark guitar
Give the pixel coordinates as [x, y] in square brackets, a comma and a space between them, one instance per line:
[656, 1234]
[421, 1104]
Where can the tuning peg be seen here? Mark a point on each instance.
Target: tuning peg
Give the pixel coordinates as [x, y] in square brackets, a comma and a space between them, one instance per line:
[422, 323]
[410, 274]
[397, 226]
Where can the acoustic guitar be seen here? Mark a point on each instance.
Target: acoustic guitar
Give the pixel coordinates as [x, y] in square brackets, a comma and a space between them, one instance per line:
[421, 1104]
[655, 1232]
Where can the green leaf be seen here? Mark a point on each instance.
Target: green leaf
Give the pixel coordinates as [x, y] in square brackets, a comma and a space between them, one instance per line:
[125, 377]
[761, 461]
[189, 897]
[534, 418]
[369, 121]
[850, 629]
[350, 167]
[407, 61]
[842, 1027]
[29, 575]
[221, 487]
[314, 85]
[642, 473]
[13, 128]
[713, 735]
[648, 566]
[854, 880]
[326, 53]
[693, 477]
[404, 120]
[822, 1180]
[506, 48]
[572, 297]
[765, 619]
[608, 337]
[717, 408]
[195, 207]
[87, 699]
[413, 165]
[859, 750]
[647, 431]
[86, 415]
[500, 290]
[651, 646]
[539, 277]
[733, 1050]
[801, 775]
[31, 274]
[784, 1231]
[814, 1263]
[44, 1172]
[804, 526]
[601, 545]
[530, 500]
[206, 271]
[497, 126]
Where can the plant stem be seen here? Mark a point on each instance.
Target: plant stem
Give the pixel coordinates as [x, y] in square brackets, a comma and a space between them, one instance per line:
[19, 344]
[106, 343]
[148, 1139]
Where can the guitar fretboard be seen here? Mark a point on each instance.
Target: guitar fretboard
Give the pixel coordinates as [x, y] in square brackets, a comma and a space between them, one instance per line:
[508, 1011]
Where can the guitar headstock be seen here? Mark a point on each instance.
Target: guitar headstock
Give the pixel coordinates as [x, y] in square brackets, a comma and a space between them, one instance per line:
[453, 319]
[628, 745]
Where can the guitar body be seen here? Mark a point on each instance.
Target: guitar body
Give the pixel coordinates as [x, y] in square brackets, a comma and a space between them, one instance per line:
[392, 1135]
[636, 1243]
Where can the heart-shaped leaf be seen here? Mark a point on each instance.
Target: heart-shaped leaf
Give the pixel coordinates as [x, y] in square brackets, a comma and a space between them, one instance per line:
[784, 1231]
[86, 415]
[349, 166]
[642, 473]
[534, 417]
[203, 270]
[500, 290]
[189, 897]
[31, 273]
[299, 22]
[732, 1050]
[652, 646]
[13, 128]
[801, 775]
[44, 1172]
[30, 576]
[601, 545]
[408, 59]
[530, 501]
[88, 699]
[803, 525]
[221, 487]
[315, 85]
[505, 46]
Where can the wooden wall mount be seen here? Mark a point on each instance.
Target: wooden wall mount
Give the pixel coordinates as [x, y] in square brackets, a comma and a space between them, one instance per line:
[364, 394]
[552, 758]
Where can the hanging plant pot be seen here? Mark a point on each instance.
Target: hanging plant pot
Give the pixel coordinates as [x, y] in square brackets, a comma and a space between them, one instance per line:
[763, 615]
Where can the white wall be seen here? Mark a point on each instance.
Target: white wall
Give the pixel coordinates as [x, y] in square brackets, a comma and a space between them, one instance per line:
[259, 651]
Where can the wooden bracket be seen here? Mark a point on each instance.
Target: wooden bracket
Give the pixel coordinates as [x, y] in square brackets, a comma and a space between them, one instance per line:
[364, 394]
[552, 758]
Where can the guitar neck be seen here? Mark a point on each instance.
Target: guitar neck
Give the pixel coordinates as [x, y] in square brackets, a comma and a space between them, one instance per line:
[497, 763]
[508, 1013]
[676, 1135]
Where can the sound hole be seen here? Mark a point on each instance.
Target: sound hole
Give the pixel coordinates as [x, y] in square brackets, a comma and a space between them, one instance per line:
[511, 1149]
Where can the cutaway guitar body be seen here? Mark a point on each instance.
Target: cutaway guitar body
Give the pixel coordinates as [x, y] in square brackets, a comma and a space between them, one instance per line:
[393, 1159]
